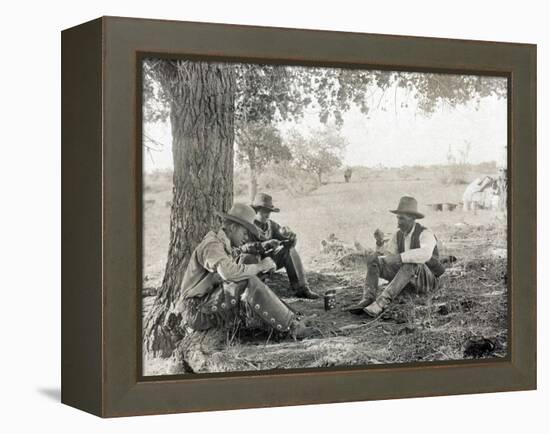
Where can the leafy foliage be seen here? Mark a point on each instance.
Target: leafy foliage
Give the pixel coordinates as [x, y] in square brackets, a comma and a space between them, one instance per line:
[267, 94]
[260, 143]
[156, 103]
[335, 90]
[430, 90]
[320, 153]
[274, 93]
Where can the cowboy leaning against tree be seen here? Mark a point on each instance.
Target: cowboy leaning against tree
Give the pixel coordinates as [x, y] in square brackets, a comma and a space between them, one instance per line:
[218, 291]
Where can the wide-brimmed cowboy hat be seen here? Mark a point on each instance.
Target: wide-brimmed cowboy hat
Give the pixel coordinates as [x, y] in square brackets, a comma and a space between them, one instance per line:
[263, 200]
[242, 214]
[408, 206]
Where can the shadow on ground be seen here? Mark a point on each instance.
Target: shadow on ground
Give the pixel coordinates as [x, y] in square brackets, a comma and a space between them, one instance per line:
[51, 393]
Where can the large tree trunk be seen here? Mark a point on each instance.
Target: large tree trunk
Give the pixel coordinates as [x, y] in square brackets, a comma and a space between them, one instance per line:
[202, 116]
[253, 174]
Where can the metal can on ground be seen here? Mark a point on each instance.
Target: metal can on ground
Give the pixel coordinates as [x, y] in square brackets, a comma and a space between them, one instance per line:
[330, 299]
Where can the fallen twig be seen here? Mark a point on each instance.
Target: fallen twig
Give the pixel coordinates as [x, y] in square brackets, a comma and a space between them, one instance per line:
[256, 368]
[358, 326]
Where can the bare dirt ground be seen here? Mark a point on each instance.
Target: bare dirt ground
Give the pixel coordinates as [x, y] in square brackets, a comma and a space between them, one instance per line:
[470, 305]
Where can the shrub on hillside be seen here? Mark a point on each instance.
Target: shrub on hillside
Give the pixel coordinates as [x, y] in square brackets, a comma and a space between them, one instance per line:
[157, 181]
[457, 168]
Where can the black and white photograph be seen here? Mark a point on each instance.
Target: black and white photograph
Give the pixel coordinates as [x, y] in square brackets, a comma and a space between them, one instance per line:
[304, 216]
[282, 217]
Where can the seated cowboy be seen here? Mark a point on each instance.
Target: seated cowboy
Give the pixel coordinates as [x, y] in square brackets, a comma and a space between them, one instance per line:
[219, 292]
[410, 257]
[281, 246]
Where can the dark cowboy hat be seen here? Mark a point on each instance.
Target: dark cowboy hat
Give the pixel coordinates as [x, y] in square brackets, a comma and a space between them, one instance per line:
[263, 200]
[242, 214]
[408, 206]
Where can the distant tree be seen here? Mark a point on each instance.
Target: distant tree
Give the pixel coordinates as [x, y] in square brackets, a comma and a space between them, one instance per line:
[457, 165]
[320, 153]
[258, 144]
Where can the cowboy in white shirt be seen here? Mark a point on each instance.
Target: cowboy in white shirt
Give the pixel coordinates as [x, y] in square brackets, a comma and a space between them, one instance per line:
[411, 257]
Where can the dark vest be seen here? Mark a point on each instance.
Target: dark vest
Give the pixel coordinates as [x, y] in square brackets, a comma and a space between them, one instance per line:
[433, 263]
[266, 231]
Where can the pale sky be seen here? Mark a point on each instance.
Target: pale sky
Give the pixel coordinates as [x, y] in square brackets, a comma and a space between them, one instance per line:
[397, 134]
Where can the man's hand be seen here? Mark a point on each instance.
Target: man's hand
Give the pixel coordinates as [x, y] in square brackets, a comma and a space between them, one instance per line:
[253, 248]
[292, 239]
[393, 259]
[379, 237]
[270, 245]
[267, 265]
[289, 236]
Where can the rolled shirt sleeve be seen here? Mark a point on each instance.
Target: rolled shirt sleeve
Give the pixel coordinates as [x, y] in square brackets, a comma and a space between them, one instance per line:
[230, 271]
[211, 255]
[214, 258]
[422, 254]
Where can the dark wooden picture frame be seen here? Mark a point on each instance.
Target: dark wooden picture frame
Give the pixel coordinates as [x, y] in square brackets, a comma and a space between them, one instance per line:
[101, 226]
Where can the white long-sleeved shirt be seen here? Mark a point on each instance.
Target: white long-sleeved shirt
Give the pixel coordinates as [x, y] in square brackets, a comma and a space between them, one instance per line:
[413, 256]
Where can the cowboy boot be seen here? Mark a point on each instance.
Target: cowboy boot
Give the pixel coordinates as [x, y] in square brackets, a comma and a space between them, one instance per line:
[375, 309]
[306, 292]
[394, 288]
[264, 304]
[370, 288]
[296, 273]
[303, 291]
[358, 309]
[299, 330]
[369, 295]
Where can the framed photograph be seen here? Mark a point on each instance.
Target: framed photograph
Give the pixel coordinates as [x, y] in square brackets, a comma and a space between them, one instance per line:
[259, 217]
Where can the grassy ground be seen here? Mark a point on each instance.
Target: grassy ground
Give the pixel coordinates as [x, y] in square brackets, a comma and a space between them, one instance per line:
[471, 301]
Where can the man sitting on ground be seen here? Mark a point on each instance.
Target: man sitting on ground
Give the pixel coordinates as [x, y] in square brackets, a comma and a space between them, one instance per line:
[282, 247]
[219, 292]
[411, 257]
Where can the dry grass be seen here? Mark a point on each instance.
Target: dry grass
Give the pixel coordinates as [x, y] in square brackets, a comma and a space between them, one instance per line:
[471, 301]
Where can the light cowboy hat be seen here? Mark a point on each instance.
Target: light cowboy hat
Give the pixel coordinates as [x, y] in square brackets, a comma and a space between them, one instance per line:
[242, 214]
[408, 206]
[263, 200]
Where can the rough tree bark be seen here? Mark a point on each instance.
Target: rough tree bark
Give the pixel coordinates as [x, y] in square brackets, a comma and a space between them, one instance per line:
[202, 116]
[253, 174]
